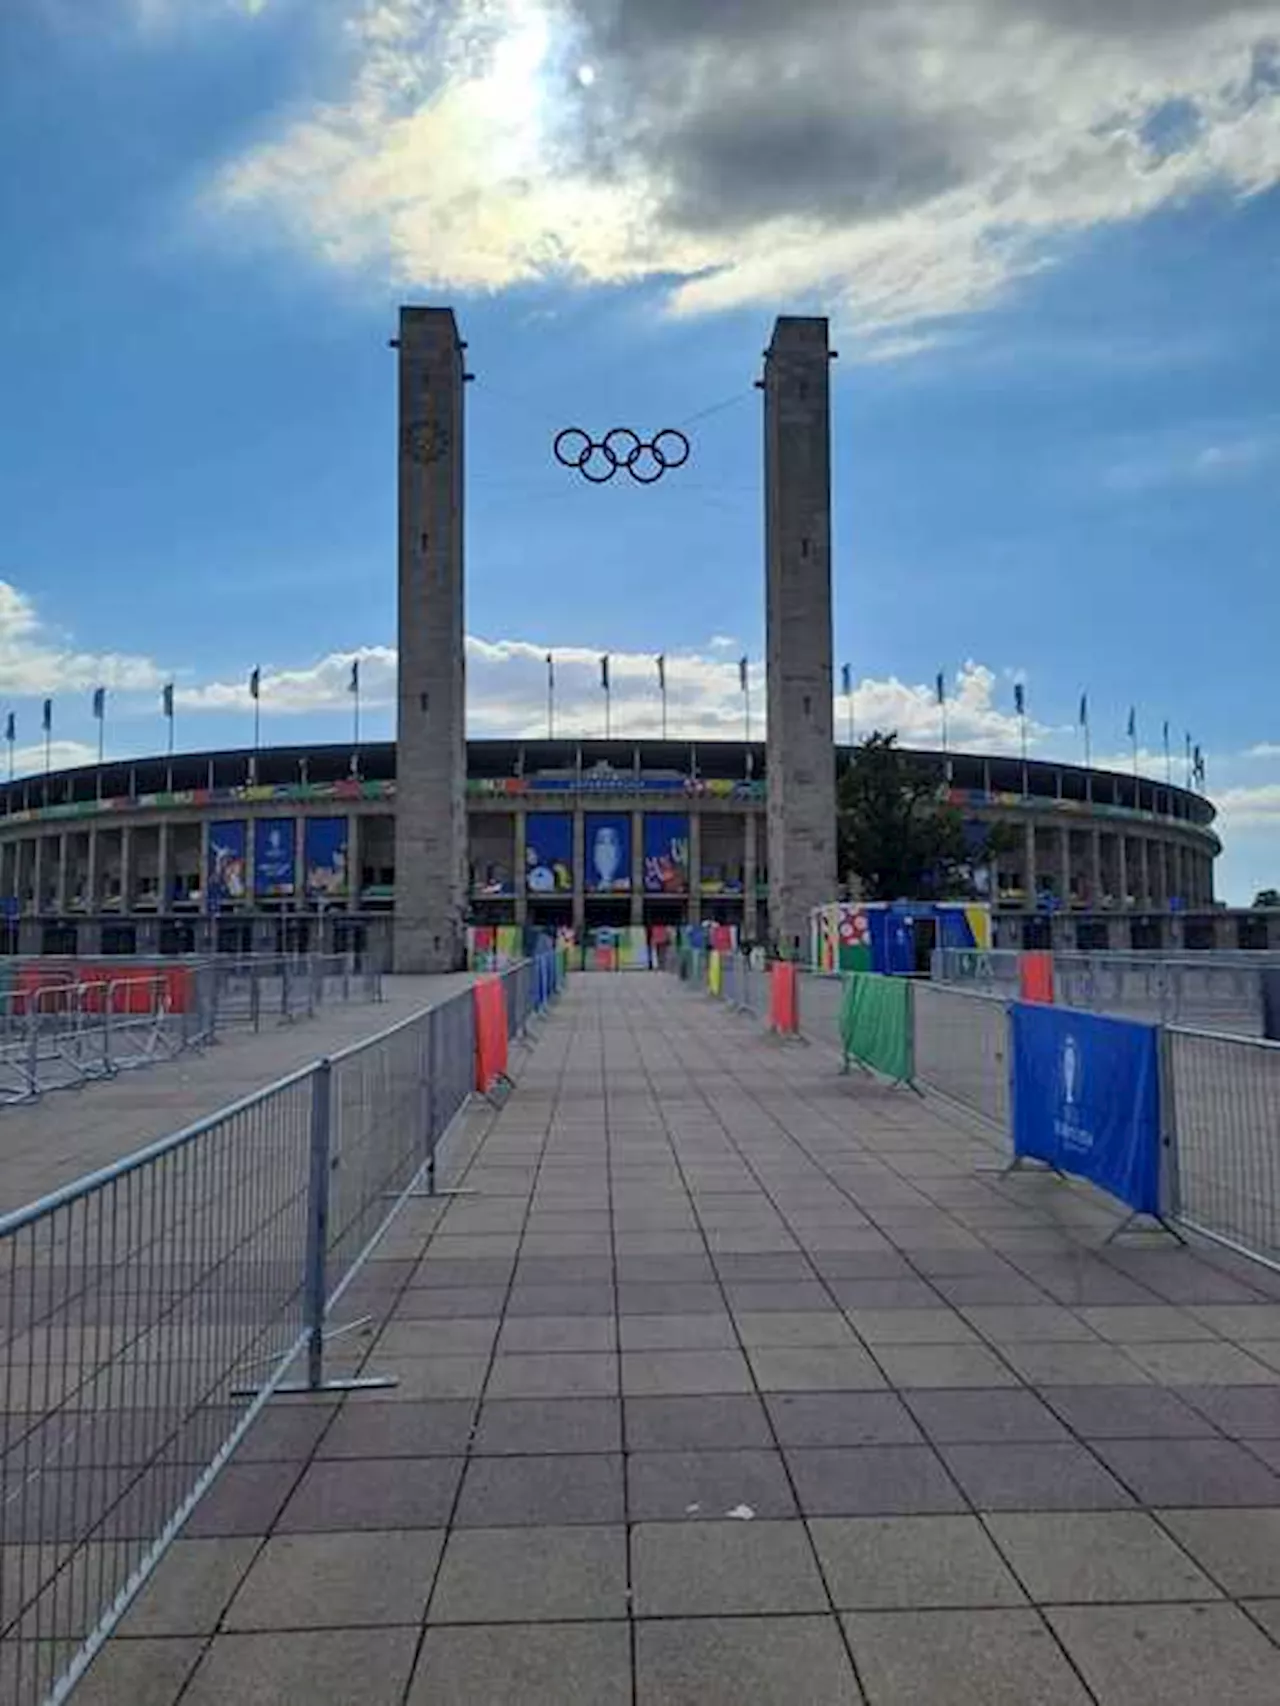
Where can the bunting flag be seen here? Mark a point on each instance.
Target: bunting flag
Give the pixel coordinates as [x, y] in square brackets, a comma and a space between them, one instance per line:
[942, 689]
[661, 661]
[846, 680]
[255, 682]
[99, 702]
[742, 674]
[46, 718]
[1019, 699]
[353, 686]
[166, 700]
[604, 672]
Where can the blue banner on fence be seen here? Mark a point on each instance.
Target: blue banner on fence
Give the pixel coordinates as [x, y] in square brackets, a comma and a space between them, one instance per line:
[1086, 1099]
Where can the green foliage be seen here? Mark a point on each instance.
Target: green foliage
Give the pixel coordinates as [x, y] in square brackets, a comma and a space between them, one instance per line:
[898, 835]
[1267, 897]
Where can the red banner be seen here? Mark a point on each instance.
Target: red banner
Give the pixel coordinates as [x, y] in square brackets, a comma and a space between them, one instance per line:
[784, 1013]
[491, 1033]
[1035, 977]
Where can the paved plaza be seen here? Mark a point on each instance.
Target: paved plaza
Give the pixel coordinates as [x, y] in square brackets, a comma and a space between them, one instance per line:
[69, 1133]
[733, 1380]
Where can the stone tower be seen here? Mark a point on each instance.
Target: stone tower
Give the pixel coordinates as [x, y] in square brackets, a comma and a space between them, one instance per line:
[431, 759]
[797, 475]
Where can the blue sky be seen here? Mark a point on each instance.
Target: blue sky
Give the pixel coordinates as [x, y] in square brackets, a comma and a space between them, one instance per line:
[1048, 237]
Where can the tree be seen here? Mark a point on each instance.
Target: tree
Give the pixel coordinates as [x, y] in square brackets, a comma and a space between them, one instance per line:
[1267, 897]
[898, 834]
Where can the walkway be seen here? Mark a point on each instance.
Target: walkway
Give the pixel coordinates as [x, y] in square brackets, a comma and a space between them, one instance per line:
[736, 1383]
[69, 1133]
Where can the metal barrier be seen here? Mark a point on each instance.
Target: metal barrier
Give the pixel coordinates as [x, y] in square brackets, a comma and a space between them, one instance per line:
[59, 1035]
[821, 996]
[1222, 1113]
[149, 1311]
[1221, 991]
[960, 1044]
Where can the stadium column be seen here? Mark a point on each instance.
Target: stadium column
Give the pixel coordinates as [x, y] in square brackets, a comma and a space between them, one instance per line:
[126, 868]
[1122, 872]
[431, 817]
[637, 870]
[797, 498]
[695, 865]
[1144, 873]
[60, 875]
[1064, 864]
[750, 908]
[354, 856]
[1029, 885]
[202, 875]
[519, 862]
[579, 876]
[1095, 868]
[91, 873]
[164, 875]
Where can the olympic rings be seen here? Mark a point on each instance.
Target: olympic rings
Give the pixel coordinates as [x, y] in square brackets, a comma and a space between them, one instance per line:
[620, 448]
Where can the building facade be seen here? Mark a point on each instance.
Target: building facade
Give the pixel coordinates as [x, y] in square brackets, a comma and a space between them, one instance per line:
[296, 847]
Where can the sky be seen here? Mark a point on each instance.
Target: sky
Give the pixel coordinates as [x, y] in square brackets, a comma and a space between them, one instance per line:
[1046, 232]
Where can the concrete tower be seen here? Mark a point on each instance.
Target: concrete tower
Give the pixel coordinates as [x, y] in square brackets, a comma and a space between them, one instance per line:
[431, 758]
[797, 484]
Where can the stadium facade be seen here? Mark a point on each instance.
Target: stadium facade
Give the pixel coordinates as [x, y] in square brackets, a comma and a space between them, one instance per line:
[402, 845]
[297, 846]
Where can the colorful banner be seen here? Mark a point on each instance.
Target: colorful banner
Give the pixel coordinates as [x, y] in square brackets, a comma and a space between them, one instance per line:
[608, 853]
[274, 871]
[875, 1024]
[548, 856]
[666, 853]
[324, 857]
[228, 850]
[1086, 1099]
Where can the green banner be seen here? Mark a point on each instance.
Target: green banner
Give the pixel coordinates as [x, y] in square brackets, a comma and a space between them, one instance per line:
[875, 1024]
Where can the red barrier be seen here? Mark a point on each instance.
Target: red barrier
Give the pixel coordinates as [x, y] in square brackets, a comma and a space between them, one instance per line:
[491, 1033]
[784, 1008]
[1035, 977]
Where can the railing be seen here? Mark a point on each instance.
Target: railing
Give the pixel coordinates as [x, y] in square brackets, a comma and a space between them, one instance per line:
[62, 1034]
[148, 1312]
[1220, 1094]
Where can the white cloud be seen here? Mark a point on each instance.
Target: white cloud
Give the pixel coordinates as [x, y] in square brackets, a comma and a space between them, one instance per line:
[33, 662]
[1180, 463]
[1265, 749]
[895, 160]
[1251, 808]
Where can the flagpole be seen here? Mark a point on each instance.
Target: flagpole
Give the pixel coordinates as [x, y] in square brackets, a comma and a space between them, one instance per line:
[551, 698]
[1168, 757]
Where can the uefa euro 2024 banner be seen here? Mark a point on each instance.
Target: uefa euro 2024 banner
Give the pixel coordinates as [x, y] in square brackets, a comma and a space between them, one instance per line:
[666, 853]
[273, 856]
[227, 879]
[608, 853]
[324, 858]
[548, 853]
[1086, 1099]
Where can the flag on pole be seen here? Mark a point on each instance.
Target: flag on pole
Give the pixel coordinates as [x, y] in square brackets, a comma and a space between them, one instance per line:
[1133, 722]
[742, 674]
[11, 729]
[604, 672]
[353, 686]
[166, 700]
[99, 702]
[1019, 699]
[942, 689]
[551, 671]
[1084, 710]
[255, 682]
[46, 720]
[661, 661]
[846, 680]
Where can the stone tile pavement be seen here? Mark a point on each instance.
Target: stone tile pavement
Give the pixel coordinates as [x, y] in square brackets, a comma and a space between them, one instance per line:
[738, 1381]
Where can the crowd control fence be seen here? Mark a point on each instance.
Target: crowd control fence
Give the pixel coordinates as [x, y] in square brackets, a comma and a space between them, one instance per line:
[56, 1034]
[149, 1311]
[1219, 991]
[1217, 1095]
